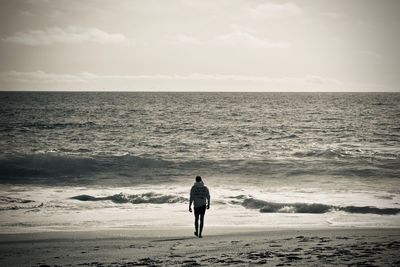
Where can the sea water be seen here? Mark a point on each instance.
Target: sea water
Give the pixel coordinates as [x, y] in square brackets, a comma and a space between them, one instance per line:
[73, 161]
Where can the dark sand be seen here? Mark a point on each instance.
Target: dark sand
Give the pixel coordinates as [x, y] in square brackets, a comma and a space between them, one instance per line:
[240, 247]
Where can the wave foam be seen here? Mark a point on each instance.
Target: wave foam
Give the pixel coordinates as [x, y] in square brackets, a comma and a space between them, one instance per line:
[121, 198]
[8, 200]
[11, 203]
[315, 208]
[272, 207]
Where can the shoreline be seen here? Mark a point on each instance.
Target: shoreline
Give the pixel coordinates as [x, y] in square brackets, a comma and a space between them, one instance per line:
[171, 232]
[276, 247]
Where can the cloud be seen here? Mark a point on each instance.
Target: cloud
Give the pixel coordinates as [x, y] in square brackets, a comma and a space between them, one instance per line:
[68, 35]
[244, 39]
[320, 80]
[45, 77]
[270, 10]
[183, 39]
[87, 78]
[86, 81]
[25, 13]
[55, 13]
[333, 15]
[370, 53]
[39, 77]
[240, 37]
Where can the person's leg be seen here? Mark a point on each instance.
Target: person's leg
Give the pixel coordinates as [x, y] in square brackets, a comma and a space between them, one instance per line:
[202, 213]
[201, 224]
[196, 221]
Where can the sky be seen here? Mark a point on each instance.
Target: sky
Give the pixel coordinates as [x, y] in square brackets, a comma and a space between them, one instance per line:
[200, 45]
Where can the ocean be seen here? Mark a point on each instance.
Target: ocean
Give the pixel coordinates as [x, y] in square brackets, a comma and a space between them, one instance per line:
[115, 160]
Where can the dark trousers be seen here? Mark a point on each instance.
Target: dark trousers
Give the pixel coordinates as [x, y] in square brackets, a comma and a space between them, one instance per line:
[199, 213]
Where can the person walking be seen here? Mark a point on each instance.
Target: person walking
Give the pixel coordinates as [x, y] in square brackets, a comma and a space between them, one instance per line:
[200, 197]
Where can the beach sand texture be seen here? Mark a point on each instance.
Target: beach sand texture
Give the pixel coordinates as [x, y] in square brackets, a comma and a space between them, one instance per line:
[323, 247]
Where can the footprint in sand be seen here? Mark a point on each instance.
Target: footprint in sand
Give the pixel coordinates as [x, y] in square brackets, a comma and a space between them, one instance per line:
[175, 256]
[173, 247]
[275, 246]
[190, 263]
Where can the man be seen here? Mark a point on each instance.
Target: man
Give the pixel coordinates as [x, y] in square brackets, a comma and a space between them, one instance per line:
[200, 196]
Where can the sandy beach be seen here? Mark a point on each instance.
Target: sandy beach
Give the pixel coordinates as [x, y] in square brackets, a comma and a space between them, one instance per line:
[218, 247]
[126, 126]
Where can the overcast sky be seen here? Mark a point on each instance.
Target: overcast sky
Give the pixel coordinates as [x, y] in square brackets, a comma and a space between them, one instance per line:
[196, 45]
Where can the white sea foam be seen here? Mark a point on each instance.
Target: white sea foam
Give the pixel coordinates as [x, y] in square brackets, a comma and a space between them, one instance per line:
[144, 207]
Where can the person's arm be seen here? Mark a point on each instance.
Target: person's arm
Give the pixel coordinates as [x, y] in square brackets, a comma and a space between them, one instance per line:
[191, 200]
[208, 199]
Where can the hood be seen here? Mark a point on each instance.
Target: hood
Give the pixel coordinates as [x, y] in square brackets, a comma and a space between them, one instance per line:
[198, 183]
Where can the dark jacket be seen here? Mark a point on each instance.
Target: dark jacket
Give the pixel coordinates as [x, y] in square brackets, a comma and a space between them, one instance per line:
[199, 194]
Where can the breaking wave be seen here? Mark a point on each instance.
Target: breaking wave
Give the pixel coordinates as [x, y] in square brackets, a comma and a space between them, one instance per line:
[9, 200]
[121, 198]
[12, 203]
[59, 168]
[247, 202]
[57, 165]
[19, 207]
[315, 208]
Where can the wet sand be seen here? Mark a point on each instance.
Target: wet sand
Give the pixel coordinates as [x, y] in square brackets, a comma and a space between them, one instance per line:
[218, 247]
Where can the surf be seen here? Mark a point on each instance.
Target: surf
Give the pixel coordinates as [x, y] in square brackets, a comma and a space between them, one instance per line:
[312, 208]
